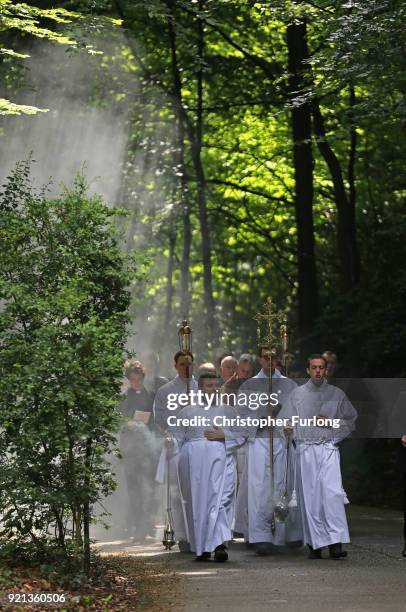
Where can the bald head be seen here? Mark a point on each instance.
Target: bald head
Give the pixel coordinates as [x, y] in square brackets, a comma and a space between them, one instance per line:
[228, 367]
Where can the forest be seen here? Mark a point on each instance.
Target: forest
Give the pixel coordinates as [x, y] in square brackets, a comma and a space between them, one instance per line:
[263, 158]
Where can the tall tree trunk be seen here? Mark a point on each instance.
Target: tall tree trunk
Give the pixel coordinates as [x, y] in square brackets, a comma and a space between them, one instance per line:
[308, 296]
[86, 510]
[75, 503]
[170, 269]
[179, 111]
[346, 226]
[352, 152]
[201, 187]
[59, 523]
[186, 223]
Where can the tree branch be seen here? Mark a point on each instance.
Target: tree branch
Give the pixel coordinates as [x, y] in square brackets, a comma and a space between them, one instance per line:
[267, 67]
[257, 192]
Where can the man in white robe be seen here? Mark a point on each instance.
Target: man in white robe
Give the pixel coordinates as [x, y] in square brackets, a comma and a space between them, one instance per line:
[321, 416]
[260, 483]
[207, 471]
[166, 404]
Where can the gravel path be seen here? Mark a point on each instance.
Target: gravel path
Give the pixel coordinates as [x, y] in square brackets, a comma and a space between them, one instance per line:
[372, 578]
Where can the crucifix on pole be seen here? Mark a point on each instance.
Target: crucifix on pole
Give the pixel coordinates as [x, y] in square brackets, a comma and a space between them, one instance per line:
[272, 332]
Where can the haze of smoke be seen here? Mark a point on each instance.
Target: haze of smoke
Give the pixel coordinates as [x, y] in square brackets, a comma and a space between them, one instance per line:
[122, 524]
[73, 136]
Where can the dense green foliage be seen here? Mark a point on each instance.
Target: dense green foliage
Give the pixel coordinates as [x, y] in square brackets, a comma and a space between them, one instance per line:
[25, 19]
[264, 159]
[64, 289]
[37, 22]
[218, 85]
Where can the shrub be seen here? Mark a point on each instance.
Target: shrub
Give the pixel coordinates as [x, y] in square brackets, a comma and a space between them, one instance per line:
[64, 290]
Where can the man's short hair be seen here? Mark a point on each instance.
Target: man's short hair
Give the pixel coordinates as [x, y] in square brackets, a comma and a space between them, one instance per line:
[134, 366]
[316, 356]
[205, 376]
[246, 357]
[265, 347]
[207, 366]
[182, 354]
[262, 347]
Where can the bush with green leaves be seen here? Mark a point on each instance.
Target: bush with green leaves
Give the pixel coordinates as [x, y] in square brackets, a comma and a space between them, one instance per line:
[65, 296]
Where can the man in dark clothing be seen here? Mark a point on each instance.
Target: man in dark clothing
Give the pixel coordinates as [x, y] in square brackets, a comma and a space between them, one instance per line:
[137, 398]
[137, 449]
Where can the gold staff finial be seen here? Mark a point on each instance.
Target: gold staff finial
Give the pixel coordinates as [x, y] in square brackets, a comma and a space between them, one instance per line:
[185, 336]
[185, 344]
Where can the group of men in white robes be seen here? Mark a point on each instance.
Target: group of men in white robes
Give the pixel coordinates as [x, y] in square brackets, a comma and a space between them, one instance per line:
[290, 491]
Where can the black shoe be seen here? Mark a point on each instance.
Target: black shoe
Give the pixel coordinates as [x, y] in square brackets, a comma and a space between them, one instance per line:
[203, 557]
[221, 554]
[404, 551]
[336, 551]
[294, 544]
[263, 549]
[315, 553]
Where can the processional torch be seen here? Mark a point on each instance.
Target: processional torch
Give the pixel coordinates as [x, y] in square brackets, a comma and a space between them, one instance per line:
[270, 319]
[281, 509]
[283, 505]
[169, 532]
[185, 344]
